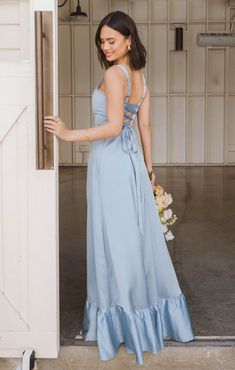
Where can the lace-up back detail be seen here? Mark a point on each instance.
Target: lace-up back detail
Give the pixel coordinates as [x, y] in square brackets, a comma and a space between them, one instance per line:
[131, 109]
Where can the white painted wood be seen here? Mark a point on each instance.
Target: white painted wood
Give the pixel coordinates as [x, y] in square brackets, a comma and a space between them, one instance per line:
[158, 57]
[82, 108]
[216, 27]
[216, 10]
[65, 147]
[216, 71]
[231, 156]
[82, 120]
[178, 10]
[177, 134]
[65, 75]
[177, 77]
[9, 37]
[196, 60]
[231, 122]
[29, 292]
[196, 125]
[138, 10]
[44, 5]
[9, 55]
[24, 29]
[215, 133]
[100, 11]
[197, 10]
[81, 59]
[12, 115]
[9, 11]
[195, 72]
[120, 5]
[159, 132]
[14, 35]
[10, 346]
[232, 70]
[231, 131]
[158, 10]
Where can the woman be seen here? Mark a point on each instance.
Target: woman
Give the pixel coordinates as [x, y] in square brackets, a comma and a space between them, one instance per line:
[133, 295]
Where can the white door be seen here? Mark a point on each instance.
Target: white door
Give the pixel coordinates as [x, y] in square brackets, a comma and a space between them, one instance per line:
[29, 291]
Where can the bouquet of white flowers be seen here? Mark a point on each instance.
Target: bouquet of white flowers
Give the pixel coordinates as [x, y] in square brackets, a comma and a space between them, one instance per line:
[163, 200]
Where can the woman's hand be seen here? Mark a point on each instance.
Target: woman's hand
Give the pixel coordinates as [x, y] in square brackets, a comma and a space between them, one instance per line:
[57, 127]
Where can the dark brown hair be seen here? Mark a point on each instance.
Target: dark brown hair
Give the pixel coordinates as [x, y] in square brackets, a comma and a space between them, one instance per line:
[123, 23]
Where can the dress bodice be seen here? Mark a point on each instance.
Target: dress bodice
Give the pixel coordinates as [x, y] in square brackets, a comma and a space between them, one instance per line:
[127, 138]
[130, 109]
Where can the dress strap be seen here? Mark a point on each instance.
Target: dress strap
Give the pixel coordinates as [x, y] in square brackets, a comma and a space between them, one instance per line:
[125, 70]
[98, 85]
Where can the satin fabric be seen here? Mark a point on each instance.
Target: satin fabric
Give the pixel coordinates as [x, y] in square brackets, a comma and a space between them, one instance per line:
[133, 295]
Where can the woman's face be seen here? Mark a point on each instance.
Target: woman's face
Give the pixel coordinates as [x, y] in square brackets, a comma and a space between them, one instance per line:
[113, 44]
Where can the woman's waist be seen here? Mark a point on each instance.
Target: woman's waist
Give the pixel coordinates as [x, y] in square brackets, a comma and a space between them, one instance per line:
[127, 137]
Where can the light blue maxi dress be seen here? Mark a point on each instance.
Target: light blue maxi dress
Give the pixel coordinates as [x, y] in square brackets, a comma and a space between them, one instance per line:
[133, 295]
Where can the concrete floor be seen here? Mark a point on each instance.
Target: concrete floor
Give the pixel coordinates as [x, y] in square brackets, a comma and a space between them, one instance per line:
[85, 358]
[203, 251]
[203, 254]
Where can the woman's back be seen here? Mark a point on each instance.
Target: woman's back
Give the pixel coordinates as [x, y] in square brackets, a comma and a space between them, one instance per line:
[131, 105]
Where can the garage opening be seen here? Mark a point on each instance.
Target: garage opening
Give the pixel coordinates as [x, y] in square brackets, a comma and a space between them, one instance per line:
[193, 151]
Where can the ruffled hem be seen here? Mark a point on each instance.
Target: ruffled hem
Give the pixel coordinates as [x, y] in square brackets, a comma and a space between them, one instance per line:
[140, 330]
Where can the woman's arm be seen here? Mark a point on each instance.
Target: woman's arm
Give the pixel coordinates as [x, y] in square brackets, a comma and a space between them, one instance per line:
[115, 93]
[144, 125]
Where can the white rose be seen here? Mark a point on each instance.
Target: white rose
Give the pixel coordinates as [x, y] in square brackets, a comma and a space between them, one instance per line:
[168, 213]
[168, 199]
[169, 235]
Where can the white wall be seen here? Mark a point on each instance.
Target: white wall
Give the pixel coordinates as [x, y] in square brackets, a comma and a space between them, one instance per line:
[192, 91]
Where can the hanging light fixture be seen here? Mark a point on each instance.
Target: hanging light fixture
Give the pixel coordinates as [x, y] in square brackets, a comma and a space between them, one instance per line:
[78, 12]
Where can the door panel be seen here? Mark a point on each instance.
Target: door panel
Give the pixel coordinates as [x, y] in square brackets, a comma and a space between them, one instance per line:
[29, 268]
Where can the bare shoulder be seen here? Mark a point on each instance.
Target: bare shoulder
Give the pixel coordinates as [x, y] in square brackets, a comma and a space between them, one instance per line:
[114, 74]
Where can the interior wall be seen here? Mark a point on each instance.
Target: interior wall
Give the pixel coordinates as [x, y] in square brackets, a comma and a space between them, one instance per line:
[192, 91]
